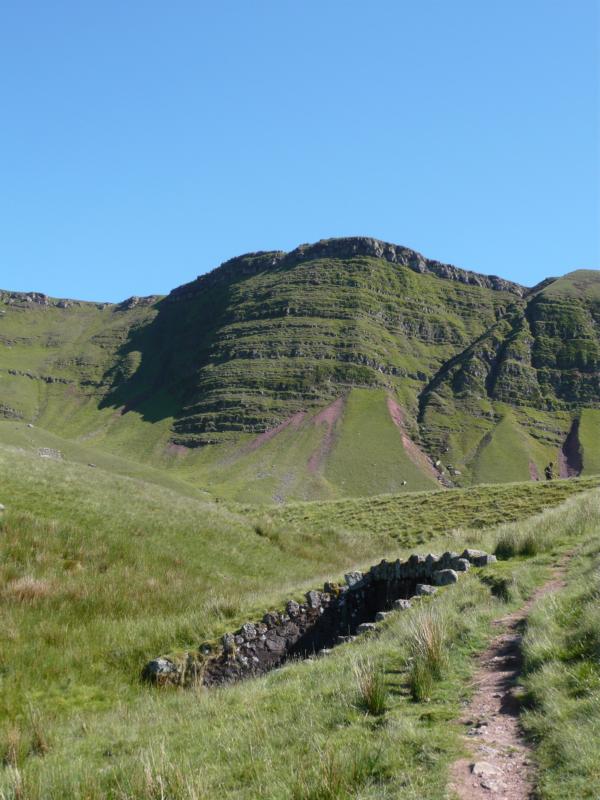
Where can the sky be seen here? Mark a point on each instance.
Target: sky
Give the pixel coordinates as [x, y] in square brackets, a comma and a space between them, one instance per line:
[142, 143]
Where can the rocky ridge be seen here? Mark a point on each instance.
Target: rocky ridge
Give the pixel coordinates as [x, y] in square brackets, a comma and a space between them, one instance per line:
[341, 248]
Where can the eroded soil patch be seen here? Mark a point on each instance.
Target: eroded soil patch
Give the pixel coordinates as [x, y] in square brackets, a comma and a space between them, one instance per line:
[328, 417]
[419, 458]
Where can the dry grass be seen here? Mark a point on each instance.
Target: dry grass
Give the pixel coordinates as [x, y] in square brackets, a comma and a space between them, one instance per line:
[28, 589]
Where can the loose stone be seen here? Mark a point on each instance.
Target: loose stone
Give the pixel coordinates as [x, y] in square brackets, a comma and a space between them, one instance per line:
[444, 577]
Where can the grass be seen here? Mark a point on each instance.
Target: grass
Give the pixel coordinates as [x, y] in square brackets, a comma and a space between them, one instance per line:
[418, 518]
[428, 640]
[562, 682]
[514, 543]
[102, 572]
[372, 688]
[243, 353]
[589, 435]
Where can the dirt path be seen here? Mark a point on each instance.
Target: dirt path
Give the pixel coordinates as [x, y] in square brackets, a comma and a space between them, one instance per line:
[500, 766]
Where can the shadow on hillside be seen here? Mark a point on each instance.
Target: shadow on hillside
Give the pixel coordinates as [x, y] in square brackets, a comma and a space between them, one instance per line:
[157, 368]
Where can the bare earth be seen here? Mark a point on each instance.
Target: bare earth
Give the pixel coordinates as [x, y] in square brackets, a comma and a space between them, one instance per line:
[500, 767]
[328, 417]
[414, 452]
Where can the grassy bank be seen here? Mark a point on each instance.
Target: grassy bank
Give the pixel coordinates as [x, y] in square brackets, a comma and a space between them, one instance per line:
[562, 660]
[419, 517]
[92, 587]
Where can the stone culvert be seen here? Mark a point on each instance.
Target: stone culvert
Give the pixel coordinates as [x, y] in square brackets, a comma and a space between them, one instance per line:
[327, 618]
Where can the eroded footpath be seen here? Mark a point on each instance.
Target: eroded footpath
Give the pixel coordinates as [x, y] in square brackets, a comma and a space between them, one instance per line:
[500, 764]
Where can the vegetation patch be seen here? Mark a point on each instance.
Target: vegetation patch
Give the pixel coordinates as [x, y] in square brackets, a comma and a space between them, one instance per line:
[562, 681]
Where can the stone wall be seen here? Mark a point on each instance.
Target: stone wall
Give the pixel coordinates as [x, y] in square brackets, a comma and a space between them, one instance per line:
[326, 618]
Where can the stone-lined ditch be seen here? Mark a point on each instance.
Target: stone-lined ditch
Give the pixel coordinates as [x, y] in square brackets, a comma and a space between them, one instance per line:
[327, 618]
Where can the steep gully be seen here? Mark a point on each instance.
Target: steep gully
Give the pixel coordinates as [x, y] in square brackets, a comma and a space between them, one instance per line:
[570, 459]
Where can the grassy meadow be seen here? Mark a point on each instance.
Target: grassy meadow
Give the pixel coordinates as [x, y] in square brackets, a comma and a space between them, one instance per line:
[101, 571]
[562, 681]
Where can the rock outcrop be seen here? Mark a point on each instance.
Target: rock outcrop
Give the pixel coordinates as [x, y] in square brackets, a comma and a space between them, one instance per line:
[341, 248]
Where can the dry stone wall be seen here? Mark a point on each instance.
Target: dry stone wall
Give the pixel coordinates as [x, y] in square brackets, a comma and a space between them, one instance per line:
[328, 617]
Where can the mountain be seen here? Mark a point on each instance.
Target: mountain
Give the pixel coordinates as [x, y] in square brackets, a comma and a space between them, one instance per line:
[346, 367]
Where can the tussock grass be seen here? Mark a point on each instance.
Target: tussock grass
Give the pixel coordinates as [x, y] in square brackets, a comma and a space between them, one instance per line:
[23, 738]
[427, 645]
[528, 543]
[340, 776]
[27, 589]
[372, 688]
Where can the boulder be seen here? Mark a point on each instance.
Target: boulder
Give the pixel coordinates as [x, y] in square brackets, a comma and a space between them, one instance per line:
[380, 616]
[444, 577]
[461, 564]
[431, 561]
[365, 627]
[228, 642]
[314, 599]
[424, 589]
[276, 644]
[248, 631]
[484, 560]
[470, 554]
[352, 578]
[292, 608]
[478, 558]
[447, 558]
[161, 671]
[484, 770]
[401, 605]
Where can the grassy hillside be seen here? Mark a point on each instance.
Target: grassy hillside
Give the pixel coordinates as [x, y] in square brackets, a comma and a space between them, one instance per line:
[420, 361]
[351, 447]
[503, 408]
[420, 517]
[100, 571]
[562, 662]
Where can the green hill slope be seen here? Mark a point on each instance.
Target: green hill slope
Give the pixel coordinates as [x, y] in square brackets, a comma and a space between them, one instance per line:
[101, 571]
[343, 368]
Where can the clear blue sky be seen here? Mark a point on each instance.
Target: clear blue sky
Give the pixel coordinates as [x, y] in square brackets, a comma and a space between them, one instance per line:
[142, 143]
